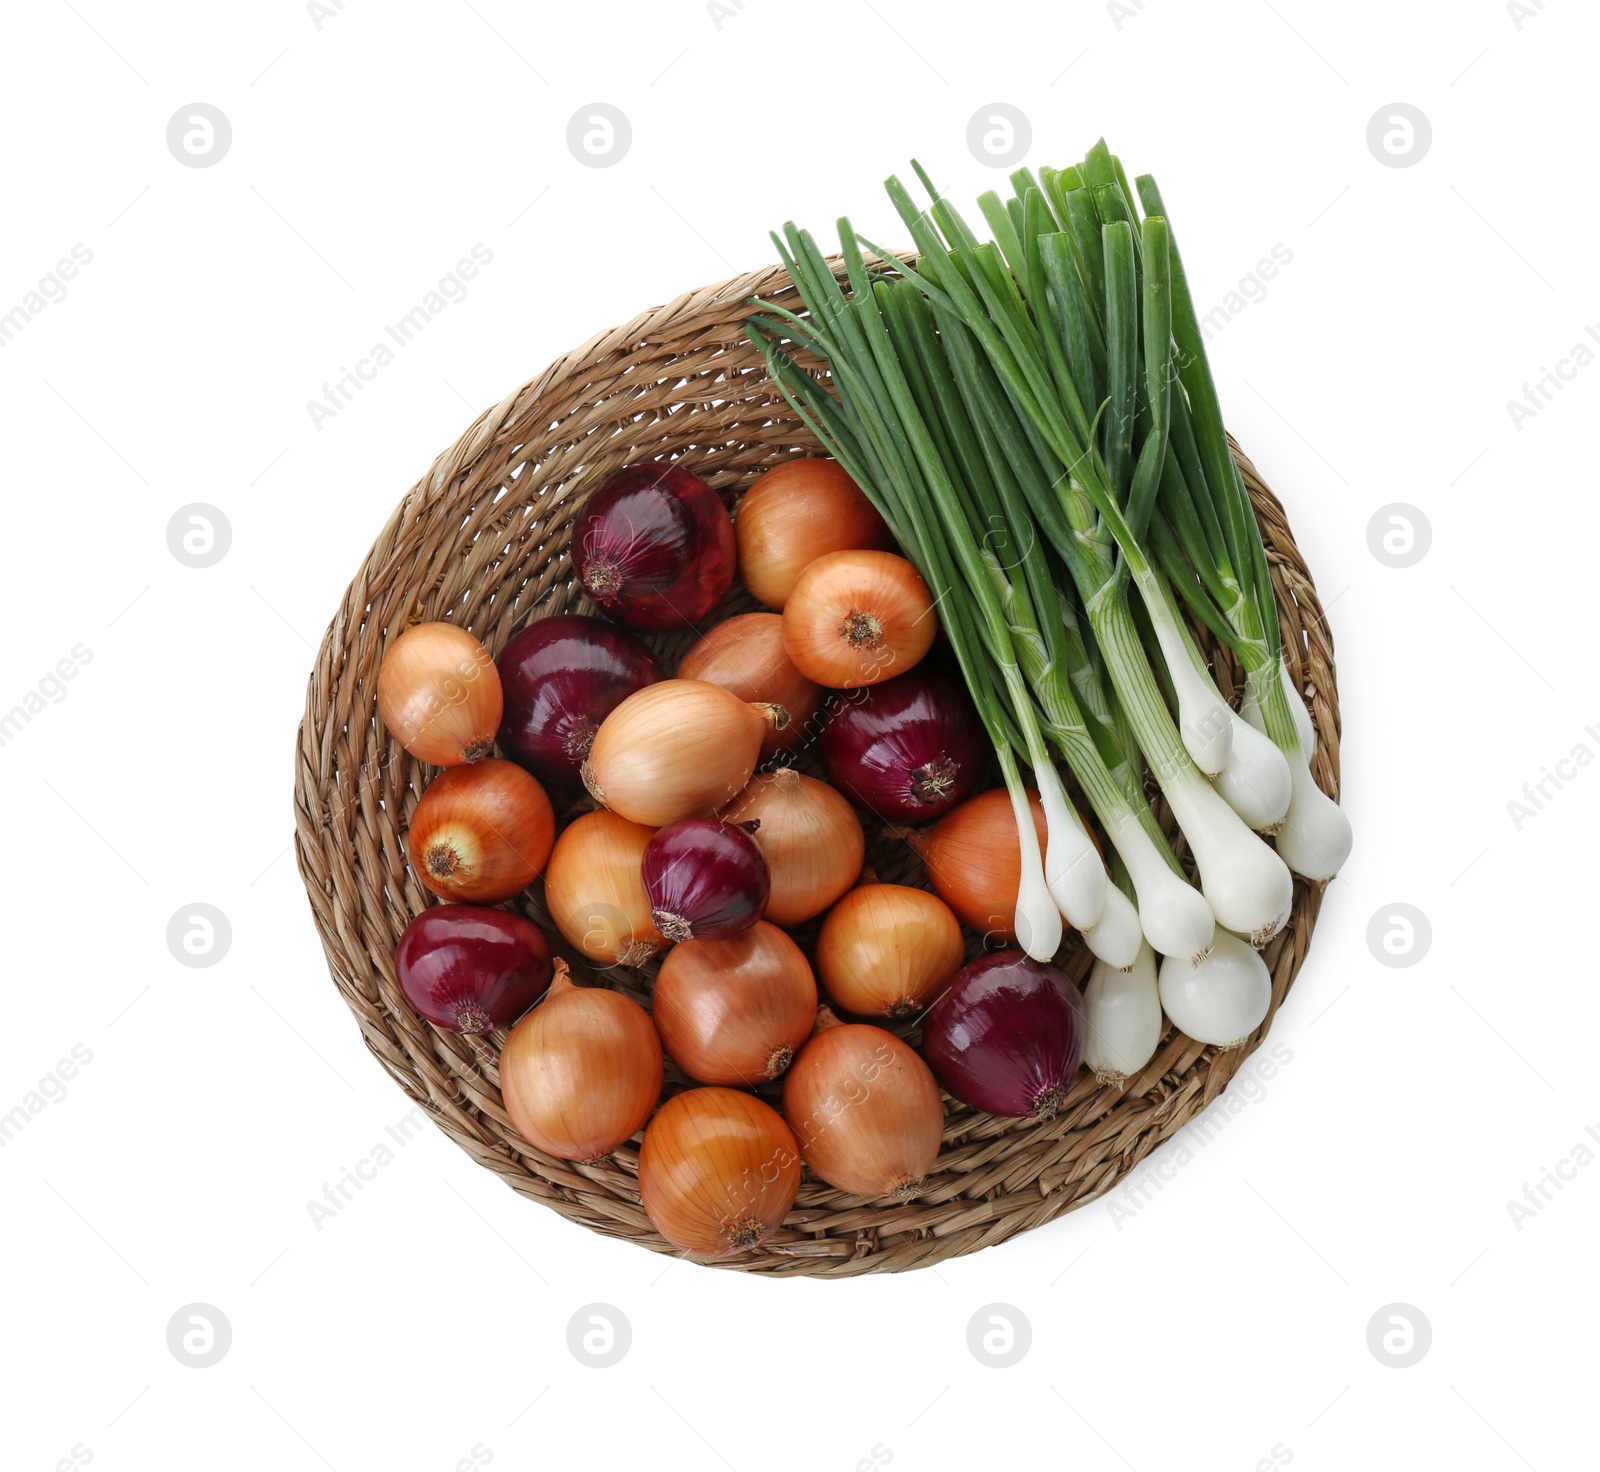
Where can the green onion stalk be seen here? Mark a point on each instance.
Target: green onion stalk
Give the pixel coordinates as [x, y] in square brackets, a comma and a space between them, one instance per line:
[1035, 419]
[952, 407]
[1270, 787]
[1313, 836]
[956, 407]
[1029, 342]
[873, 430]
[966, 401]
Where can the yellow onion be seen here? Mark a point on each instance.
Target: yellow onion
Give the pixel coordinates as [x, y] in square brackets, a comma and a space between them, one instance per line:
[886, 950]
[481, 833]
[746, 655]
[857, 618]
[865, 1110]
[718, 1171]
[975, 862]
[439, 693]
[794, 514]
[595, 893]
[810, 837]
[678, 749]
[582, 1071]
[735, 1011]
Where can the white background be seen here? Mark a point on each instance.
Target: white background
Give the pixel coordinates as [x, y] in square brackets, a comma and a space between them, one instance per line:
[1219, 1323]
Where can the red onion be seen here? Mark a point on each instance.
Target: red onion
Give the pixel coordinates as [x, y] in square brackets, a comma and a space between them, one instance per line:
[1007, 1036]
[472, 969]
[706, 880]
[909, 749]
[655, 548]
[562, 677]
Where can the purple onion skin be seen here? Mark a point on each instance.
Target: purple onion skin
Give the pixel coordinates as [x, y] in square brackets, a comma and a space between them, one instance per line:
[707, 880]
[471, 969]
[561, 677]
[909, 749]
[1007, 1037]
[655, 548]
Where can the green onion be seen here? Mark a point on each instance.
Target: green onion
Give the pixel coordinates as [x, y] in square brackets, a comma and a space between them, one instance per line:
[1035, 419]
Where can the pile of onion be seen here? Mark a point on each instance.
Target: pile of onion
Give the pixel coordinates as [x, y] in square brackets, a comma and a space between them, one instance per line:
[695, 853]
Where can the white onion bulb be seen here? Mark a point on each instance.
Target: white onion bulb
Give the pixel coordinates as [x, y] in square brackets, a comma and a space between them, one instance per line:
[1223, 999]
[1247, 885]
[1175, 916]
[1203, 715]
[1122, 1010]
[1315, 838]
[1116, 937]
[1256, 780]
[1037, 920]
[1074, 872]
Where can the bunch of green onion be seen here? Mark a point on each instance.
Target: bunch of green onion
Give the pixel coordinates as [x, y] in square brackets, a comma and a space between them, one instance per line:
[1034, 417]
